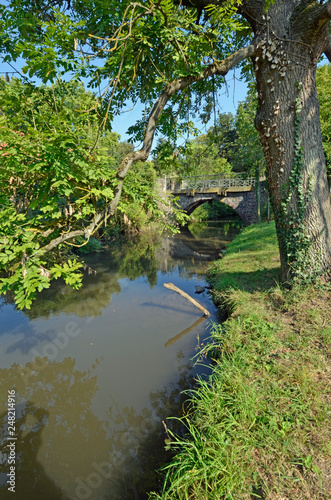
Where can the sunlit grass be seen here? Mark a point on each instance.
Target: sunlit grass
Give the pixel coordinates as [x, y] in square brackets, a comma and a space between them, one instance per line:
[249, 263]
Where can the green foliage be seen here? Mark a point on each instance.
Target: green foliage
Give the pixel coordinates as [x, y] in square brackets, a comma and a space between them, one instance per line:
[45, 39]
[323, 78]
[165, 157]
[88, 246]
[213, 211]
[201, 157]
[223, 134]
[232, 144]
[141, 204]
[248, 153]
[117, 46]
[268, 3]
[56, 175]
[125, 40]
[138, 205]
[22, 264]
[206, 154]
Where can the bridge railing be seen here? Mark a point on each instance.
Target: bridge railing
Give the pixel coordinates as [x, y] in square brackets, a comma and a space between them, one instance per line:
[208, 182]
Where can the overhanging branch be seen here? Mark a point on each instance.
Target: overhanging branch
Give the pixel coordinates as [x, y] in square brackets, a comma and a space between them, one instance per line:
[87, 232]
[217, 68]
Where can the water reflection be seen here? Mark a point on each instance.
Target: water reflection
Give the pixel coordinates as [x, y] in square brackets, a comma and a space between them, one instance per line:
[97, 371]
[196, 245]
[109, 458]
[185, 332]
[33, 482]
[140, 257]
[30, 340]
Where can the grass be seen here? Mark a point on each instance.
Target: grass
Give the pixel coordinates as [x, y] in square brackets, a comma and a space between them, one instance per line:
[260, 427]
[250, 263]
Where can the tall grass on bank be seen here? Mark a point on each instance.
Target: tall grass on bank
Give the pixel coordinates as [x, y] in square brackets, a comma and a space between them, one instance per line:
[260, 426]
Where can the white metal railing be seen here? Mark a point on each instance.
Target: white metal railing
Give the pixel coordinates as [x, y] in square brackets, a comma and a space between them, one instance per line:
[208, 182]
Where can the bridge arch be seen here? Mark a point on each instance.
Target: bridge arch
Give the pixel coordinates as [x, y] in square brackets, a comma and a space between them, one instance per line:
[242, 202]
[200, 201]
[235, 190]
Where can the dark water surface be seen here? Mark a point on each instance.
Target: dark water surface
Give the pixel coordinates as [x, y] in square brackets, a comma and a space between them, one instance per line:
[97, 370]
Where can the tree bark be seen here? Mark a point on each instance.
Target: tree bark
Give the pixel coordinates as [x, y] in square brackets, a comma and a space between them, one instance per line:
[292, 39]
[327, 50]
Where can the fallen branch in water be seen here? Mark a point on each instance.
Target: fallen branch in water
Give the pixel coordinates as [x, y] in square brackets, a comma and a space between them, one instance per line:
[184, 294]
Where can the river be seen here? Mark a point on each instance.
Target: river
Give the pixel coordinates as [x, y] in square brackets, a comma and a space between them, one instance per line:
[96, 371]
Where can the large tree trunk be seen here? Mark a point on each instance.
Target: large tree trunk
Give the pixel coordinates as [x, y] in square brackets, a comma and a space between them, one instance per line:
[292, 40]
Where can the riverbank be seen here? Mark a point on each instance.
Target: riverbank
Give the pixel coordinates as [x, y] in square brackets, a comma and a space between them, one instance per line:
[261, 427]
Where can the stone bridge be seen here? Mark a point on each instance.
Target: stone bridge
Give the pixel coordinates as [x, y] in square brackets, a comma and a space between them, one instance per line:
[235, 190]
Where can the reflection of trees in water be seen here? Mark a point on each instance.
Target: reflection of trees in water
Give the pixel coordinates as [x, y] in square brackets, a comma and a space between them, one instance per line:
[138, 256]
[31, 481]
[131, 258]
[61, 441]
[144, 435]
[224, 231]
[196, 244]
[89, 300]
[63, 394]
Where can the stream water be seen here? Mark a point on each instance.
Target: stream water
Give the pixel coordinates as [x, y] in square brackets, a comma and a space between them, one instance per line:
[96, 371]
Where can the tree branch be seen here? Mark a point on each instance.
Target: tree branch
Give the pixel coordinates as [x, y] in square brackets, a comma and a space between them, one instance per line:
[55, 243]
[327, 50]
[87, 232]
[327, 8]
[313, 17]
[217, 68]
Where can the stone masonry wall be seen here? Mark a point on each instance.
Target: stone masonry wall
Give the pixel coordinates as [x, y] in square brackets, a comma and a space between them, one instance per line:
[243, 202]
